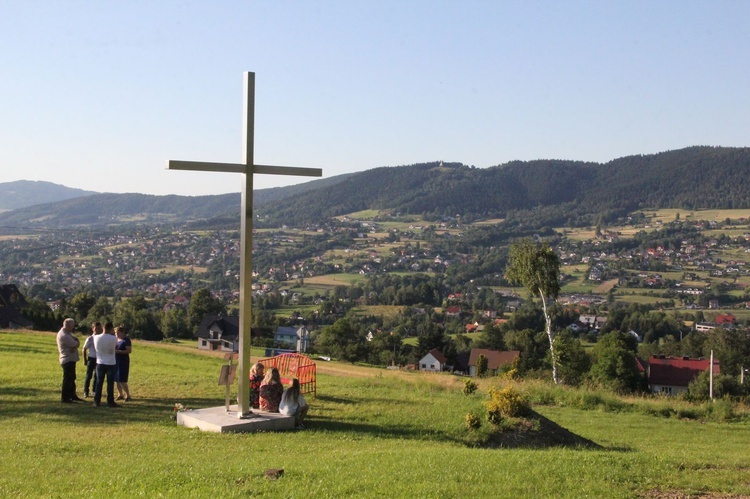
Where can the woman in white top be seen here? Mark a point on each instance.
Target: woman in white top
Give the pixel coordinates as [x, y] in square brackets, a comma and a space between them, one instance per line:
[293, 403]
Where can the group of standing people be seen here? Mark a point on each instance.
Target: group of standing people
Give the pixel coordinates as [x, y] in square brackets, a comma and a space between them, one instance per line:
[267, 393]
[106, 354]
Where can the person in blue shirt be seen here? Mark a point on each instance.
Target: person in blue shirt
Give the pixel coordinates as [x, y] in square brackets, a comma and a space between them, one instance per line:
[124, 347]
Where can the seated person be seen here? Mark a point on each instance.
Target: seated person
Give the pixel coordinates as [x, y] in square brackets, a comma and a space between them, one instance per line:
[293, 403]
[270, 391]
[256, 378]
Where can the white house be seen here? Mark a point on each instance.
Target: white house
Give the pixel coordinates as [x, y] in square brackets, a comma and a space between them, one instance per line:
[219, 333]
[593, 321]
[433, 361]
[286, 335]
[704, 327]
[303, 340]
[297, 338]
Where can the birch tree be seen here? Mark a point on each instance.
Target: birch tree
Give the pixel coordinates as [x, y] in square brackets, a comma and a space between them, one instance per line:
[537, 268]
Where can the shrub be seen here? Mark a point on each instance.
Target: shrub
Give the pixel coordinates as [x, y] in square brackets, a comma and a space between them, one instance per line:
[470, 386]
[615, 367]
[687, 413]
[472, 421]
[724, 385]
[506, 403]
[721, 410]
[482, 362]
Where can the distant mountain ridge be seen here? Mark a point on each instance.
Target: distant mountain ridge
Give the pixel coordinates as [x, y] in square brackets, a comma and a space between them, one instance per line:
[552, 191]
[24, 193]
[93, 208]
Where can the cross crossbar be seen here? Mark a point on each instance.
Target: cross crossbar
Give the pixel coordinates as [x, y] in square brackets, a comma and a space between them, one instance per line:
[204, 166]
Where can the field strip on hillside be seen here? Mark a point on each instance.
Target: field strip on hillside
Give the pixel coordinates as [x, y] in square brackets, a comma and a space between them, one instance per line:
[605, 287]
[332, 280]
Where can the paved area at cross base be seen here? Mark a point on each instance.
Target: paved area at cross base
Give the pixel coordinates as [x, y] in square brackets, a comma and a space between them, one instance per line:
[218, 420]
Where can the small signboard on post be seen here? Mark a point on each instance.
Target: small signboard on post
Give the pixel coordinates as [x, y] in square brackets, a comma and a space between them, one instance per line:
[226, 377]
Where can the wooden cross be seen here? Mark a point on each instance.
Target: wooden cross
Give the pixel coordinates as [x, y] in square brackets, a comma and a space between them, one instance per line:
[248, 168]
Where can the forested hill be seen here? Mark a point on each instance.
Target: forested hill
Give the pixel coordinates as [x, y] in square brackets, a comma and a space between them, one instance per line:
[88, 208]
[23, 193]
[695, 177]
[443, 189]
[551, 191]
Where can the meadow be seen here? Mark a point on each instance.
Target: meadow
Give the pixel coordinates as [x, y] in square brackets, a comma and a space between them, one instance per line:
[371, 433]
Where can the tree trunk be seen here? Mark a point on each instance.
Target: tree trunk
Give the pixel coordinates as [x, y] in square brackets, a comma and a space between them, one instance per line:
[550, 336]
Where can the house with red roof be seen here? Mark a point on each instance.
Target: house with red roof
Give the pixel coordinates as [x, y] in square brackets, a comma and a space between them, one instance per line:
[495, 359]
[453, 311]
[725, 319]
[671, 376]
[433, 361]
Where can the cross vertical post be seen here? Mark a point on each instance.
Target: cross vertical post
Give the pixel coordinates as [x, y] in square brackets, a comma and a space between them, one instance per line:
[246, 248]
[248, 168]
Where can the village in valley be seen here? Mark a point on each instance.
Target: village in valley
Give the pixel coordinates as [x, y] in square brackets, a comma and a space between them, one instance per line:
[395, 291]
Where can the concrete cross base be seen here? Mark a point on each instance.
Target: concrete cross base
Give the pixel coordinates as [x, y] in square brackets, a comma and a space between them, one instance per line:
[218, 420]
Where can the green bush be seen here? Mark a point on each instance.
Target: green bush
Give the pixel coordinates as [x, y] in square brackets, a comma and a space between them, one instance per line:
[506, 403]
[599, 400]
[470, 386]
[721, 410]
[686, 413]
[472, 421]
[481, 366]
[724, 385]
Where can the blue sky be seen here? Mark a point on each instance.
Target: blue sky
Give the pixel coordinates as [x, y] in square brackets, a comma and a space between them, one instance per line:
[99, 95]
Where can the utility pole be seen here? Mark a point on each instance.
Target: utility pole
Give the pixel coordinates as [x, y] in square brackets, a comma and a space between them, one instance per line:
[711, 378]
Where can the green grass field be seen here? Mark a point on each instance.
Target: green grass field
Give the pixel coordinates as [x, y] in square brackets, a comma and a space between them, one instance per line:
[371, 433]
[670, 214]
[379, 310]
[634, 297]
[333, 280]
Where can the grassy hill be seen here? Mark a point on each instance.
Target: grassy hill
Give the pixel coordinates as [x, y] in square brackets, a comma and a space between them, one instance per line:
[371, 433]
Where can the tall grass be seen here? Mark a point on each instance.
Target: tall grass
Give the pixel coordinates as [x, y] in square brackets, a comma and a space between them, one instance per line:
[659, 406]
[371, 433]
